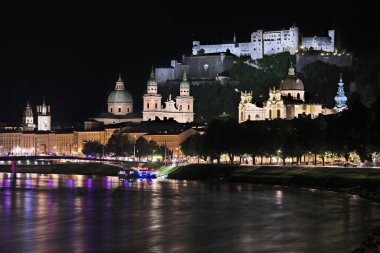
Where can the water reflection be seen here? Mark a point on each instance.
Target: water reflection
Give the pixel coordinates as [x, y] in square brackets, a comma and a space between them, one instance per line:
[70, 213]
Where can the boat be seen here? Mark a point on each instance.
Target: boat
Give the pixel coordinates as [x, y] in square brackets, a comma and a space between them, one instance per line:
[136, 173]
[146, 173]
[128, 174]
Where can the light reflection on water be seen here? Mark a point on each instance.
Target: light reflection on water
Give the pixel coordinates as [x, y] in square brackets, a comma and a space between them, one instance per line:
[73, 213]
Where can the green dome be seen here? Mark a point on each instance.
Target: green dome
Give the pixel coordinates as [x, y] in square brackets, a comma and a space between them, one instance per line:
[120, 96]
[184, 84]
[152, 79]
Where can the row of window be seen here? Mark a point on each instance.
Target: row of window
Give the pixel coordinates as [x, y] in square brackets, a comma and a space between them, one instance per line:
[119, 109]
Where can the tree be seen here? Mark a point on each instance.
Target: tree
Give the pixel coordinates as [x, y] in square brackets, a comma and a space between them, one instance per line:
[93, 148]
[142, 147]
[119, 144]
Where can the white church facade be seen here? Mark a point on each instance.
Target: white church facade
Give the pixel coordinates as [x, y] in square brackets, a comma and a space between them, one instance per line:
[287, 102]
[267, 43]
[181, 109]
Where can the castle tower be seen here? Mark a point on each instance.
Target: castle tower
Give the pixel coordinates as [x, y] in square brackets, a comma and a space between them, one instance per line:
[331, 34]
[27, 117]
[293, 39]
[44, 117]
[120, 101]
[340, 98]
[151, 100]
[185, 102]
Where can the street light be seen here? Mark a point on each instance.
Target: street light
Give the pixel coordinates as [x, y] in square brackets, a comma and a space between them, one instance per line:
[134, 147]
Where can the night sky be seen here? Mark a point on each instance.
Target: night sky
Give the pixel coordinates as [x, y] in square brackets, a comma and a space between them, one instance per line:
[72, 53]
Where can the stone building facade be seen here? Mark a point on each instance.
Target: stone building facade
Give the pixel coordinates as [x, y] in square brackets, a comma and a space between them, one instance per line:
[181, 109]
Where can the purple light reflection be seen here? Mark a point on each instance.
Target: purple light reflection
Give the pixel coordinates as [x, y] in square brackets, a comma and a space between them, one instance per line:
[89, 183]
[50, 183]
[70, 183]
[108, 183]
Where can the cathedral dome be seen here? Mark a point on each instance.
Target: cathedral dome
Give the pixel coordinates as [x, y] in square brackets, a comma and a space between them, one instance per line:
[291, 82]
[120, 96]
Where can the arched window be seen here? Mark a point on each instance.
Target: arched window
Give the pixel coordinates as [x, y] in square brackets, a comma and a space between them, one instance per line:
[127, 109]
[249, 117]
[289, 95]
[188, 107]
[180, 107]
[111, 109]
[278, 114]
[147, 105]
[119, 109]
[241, 116]
[270, 114]
[298, 96]
[155, 105]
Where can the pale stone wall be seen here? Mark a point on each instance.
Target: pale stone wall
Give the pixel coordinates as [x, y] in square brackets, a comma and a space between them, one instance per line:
[262, 43]
[120, 108]
[44, 123]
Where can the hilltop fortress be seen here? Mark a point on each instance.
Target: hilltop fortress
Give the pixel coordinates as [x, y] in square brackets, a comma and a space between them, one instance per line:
[210, 64]
[269, 42]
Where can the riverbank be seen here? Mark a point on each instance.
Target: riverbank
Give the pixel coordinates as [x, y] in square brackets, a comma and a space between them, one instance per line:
[364, 182]
[98, 169]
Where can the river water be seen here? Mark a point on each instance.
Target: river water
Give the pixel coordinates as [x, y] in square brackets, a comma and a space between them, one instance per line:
[69, 213]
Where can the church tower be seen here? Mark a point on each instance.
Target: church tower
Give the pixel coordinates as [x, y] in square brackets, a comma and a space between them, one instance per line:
[340, 98]
[151, 100]
[27, 117]
[44, 117]
[185, 102]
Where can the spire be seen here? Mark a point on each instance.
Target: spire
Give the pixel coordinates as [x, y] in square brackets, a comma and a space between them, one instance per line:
[152, 84]
[152, 77]
[119, 83]
[184, 87]
[234, 38]
[291, 71]
[340, 98]
[294, 24]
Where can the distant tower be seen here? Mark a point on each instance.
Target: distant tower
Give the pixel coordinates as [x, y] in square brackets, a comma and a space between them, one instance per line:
[332, 36]
[44, 118]
[340, 98]
[27, 117]
[294, 39]
[151, 99]
[185, 102]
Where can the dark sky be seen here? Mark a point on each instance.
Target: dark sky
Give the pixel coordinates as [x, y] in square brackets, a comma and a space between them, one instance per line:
[71, 53]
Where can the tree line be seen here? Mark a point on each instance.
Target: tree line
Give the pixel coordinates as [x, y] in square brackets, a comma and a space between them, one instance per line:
[120, 145]
[353, 130]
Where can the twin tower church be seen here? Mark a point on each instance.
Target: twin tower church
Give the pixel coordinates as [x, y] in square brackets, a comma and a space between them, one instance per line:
[120, 104]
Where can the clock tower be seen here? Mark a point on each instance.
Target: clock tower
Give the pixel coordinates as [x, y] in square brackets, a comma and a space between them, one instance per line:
[44, 117]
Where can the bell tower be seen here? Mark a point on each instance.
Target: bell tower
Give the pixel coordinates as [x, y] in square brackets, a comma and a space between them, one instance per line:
[44, 117]
[27, 117]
